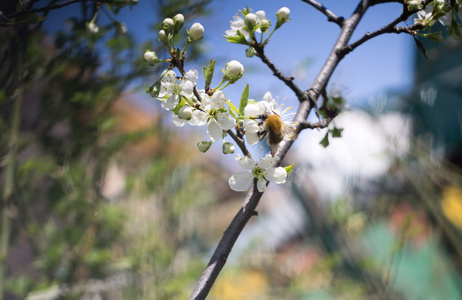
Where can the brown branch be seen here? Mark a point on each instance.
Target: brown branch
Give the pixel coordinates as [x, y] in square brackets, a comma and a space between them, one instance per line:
[320, 125]
[390, 28]
[289, 81]
[307, 103]
[331, 17]
[326, 72]
[239, 142]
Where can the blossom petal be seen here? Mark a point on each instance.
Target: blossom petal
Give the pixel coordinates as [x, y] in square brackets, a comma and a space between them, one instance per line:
[191, 75]
[171, 102]
[187, 88]
[251, 137]
[238, 23]
[245, 162]
[214, 131]
[252, 110]
[268, 161]
[226, 121]
[177, 121]
[261, 185]
[251, 126]
[241, 181]
[276, 175]
[218, 99]
[199, 118]
[268, 97]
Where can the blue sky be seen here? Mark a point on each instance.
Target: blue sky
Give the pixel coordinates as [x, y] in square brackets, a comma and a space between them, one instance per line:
[300, 47]
[382, 63]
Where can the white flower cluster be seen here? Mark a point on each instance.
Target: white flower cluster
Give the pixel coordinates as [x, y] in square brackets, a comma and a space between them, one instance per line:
[210, 107]
[243, 28]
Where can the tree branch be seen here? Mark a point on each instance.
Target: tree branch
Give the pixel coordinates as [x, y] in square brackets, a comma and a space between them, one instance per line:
[239, 142]
[223, 249]
[307, 103]
[331, 17]
[390, 28]
[289, 81]
[321, 124]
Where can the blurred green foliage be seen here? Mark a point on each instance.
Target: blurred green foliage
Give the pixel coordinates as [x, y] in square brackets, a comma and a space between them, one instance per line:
[62, 90]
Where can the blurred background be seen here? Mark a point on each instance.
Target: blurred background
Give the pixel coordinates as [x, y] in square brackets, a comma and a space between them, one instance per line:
[102, 198]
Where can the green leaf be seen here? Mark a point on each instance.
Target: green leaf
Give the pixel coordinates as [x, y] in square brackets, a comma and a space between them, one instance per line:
[237, 39]
[325, 140]
[289, 168]
[208, 73]
[232, 109]
[244, 100]
[337, 132]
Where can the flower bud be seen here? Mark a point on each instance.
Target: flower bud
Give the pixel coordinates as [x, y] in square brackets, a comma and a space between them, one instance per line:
[413, 5]
[178, 21]
[250, 52]
[250, 21]
[204, 146]
[92, 28]
[228, 148]
[265, 24]
[154, 89]
[185, 112]
[196, 32]
[167, 24]
[234, 68]
[162, 35]
[179, 18]
[151, 58]
[282, 15]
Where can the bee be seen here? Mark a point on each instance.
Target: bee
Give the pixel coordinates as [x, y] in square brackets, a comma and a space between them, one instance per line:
[276, 129]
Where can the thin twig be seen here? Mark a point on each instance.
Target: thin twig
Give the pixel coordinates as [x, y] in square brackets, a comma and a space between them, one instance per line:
[289, 81]
[390, 28]
[331, 17]
[239, 142]
[321, 124]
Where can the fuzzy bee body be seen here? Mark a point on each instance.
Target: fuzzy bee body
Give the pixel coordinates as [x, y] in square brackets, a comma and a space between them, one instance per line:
[276, 130]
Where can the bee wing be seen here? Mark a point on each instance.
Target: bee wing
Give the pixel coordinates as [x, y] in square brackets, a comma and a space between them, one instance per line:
[290, 134]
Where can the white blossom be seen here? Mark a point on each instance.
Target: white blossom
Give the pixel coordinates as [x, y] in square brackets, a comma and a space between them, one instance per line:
[237, 25]
[210, 114]
[172, 88]
[251, 112]
[263, 172]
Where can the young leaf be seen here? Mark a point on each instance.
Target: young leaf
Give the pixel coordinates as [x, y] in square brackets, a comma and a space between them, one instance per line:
[208, 74]
[337, 132]
[325, 140]
[244, 99]
[232, 108]
[289, 168]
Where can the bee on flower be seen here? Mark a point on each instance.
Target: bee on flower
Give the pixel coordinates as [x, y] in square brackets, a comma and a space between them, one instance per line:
[273, 124]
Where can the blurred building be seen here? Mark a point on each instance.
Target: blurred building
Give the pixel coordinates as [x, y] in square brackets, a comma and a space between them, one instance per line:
[436, 102]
